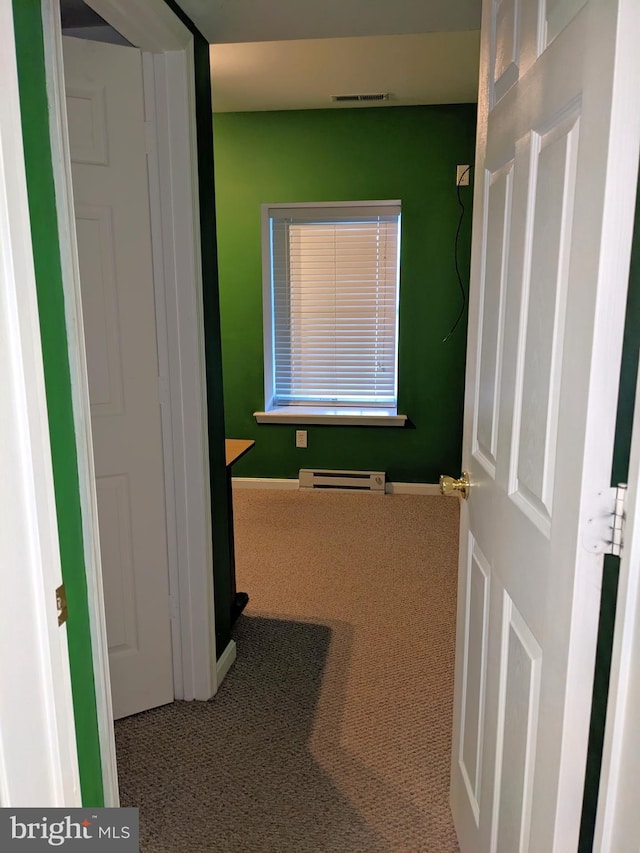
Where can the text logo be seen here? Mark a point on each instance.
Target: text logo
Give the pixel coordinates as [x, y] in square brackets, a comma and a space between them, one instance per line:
[87, 829]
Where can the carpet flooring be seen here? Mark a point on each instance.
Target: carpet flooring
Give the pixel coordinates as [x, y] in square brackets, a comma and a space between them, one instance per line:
[332, 731]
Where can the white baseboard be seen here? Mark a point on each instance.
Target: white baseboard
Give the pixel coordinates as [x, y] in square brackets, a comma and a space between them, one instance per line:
[225, 662]
[280, 483]
[412, 489]
[263, 483]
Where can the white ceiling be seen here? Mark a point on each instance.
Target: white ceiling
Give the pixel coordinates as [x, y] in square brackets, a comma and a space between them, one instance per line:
[428, 68]
[296, 54]
[275, 20]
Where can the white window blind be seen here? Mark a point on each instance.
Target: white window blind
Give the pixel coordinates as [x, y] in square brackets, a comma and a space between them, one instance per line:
[334, 303]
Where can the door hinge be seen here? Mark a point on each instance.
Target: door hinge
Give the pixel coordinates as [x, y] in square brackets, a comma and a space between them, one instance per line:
[604, 530]
[61, 604]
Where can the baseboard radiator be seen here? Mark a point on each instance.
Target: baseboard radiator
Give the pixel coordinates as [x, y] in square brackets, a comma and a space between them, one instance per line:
[371, 481]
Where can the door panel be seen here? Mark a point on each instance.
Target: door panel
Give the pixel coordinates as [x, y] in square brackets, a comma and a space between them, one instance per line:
[491, 321]
[541, 333]
[470, 733]
[114, 509]
[559, 13]
[96, 257]
[86, 113]
[111, 198]
[550, 265]
[517, 726]
[506, 62]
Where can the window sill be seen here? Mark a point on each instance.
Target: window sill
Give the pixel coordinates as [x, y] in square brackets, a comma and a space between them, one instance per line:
[337, 417]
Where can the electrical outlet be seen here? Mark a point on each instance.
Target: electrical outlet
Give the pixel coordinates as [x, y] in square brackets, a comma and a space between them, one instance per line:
[462, 176]
[301, 438]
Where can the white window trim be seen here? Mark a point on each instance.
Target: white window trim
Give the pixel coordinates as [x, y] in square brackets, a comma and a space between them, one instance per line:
[343, 415]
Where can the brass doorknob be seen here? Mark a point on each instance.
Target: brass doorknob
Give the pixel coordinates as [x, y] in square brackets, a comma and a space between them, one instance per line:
[449, 485]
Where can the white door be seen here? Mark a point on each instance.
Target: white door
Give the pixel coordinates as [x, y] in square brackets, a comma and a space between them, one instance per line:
[558, 142]
[105, 109]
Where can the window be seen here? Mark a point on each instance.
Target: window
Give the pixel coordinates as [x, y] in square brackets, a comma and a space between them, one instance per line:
[331, 282]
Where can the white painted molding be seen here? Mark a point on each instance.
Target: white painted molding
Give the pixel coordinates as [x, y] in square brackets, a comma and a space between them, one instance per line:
[59, 138]
[160, 252]
[226, 661]
[331, 417]
[617, 819]
[175, 218]
[263, 483]
[38, 753]
[279, 483]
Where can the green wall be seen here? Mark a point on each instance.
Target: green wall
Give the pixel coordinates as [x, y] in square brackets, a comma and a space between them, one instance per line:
[44, 232]
[408, 153]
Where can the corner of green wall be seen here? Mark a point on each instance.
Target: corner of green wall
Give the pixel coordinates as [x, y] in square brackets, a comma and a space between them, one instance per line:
[410, 153]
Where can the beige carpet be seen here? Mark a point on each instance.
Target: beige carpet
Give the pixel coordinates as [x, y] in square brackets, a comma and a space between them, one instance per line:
[332, 732]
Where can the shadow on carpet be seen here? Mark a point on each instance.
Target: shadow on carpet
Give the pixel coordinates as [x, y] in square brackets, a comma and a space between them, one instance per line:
[235, 775]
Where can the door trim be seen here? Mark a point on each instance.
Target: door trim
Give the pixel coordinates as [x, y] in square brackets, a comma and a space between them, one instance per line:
[167, 47]
[38, 708]
[58, 132]
[175, 237]
[616, 816]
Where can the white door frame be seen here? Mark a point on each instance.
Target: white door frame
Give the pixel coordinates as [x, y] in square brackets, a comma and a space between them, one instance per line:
[37, 706]
[169, 81]
[617, 818]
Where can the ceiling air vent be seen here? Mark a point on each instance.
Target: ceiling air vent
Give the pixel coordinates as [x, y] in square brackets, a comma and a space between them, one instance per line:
[377, 96]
